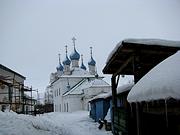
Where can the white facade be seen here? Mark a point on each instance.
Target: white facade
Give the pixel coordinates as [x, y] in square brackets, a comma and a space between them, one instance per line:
[73, 93]
[48, 95]
[72, 86]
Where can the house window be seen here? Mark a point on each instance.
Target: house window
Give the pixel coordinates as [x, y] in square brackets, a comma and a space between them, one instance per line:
[64, 107]
[54, 93]
[59, 91]
[67, 107]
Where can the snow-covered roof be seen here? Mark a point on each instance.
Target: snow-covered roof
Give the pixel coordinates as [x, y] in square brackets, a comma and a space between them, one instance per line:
[160, 42]
[78, 72]
[98, 82]
[100, 96]
[156, 42]
[162, 82]
[84, 84]
[10, 70]
[77, 89]
[120, 89]
[124, 88]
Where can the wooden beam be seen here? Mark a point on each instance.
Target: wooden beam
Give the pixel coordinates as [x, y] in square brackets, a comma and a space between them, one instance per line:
[123, 66]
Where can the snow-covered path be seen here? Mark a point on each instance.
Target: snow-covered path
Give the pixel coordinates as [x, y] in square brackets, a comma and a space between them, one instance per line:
[77, 123]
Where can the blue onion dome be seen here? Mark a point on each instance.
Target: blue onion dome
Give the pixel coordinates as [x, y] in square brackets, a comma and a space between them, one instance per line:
[66, 61]
[60, 67]
[92, 62]
[75, 55]
[83, 66]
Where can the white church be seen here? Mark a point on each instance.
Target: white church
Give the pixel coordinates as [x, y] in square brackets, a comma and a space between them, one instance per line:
[73, 86]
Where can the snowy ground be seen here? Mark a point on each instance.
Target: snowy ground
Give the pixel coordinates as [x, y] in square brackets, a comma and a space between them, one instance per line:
[77, 123]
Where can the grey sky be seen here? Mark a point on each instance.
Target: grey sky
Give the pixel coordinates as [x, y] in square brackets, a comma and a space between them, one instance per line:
[33, 32]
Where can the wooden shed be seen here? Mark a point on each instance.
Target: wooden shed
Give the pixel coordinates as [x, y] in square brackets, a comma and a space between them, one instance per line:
[159, 94]
[99, 107]
[135, 57]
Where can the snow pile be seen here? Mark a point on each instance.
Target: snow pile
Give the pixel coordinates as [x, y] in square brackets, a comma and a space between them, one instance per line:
[162, 82]
[18, 124]
[77, 123]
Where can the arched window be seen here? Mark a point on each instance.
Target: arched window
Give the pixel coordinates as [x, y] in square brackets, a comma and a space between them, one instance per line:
[59, 91]
[64, 107]
[67, 107]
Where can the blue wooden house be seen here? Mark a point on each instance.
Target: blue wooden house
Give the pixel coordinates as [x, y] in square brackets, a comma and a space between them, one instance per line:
[102, 102]
[99, 107]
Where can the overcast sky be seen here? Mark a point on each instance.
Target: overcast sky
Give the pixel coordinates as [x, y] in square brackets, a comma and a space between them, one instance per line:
[33, 32]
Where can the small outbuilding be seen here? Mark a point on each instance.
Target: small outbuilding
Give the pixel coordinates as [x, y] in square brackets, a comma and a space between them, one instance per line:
[101, 103]
[135, 57]
[99, 107]
[159, 94]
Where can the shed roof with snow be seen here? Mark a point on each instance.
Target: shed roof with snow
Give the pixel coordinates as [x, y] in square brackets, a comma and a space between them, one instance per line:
[150, 51]
[162, 82]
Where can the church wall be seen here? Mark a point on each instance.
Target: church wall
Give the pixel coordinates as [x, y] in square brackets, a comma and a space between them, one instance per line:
[74, 81]
[59, 88]
[96, 90]
[73, 102]
[92, 70]
[75, 63]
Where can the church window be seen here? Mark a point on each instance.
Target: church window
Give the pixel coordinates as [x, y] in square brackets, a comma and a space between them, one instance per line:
[60, 107]
[54, 93]
[67, 107]
[59, 91]
[64, 107]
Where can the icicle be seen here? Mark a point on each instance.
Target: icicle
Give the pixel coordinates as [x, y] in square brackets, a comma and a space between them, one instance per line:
[137, 118]
[166, 113]
[147, 106]
[131, 109]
